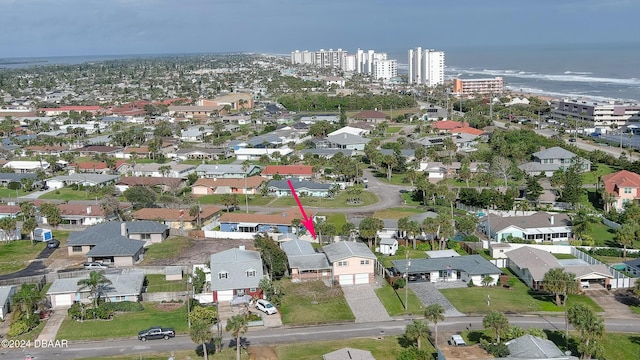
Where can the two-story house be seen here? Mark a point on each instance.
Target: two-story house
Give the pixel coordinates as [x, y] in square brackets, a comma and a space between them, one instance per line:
[341, 141]
[352, 262]
[236, 272]
[553, 159]
[620, 188]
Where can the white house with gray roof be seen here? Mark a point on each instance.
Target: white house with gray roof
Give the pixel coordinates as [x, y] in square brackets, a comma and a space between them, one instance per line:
[465, 268]
[304, 262]
[224, 171]
[100, 180]
[125, 286]
[235, 273]
[550, 160]
[158, 170]
[6, 293]
[535, 348]
[539, 227]
[352, 262]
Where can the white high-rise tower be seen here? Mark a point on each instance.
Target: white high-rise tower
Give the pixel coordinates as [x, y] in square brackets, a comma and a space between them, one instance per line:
[426, 67]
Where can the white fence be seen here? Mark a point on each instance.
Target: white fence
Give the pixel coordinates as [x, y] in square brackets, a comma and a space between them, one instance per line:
[229, 235]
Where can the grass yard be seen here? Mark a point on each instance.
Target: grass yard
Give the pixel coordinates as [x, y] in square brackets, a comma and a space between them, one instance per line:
[517, 299]
[336, 219]
[610, 260]
[394, 129]
[125, 324]
[257, 200]
[394, 301]
[157, 283]
[339, 201]
[592, 176]
[400, 255]
[68, 194]
[397, 213]
[563, 256]
[166, 249]
[8, 193]
[396, 179]
[602, 234]
[409, 199]
[385, 348]
[312, 302]
[15, 255]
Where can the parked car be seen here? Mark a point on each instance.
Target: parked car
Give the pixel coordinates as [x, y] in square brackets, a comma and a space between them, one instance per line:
[53, 244]
[156, 332]
[457, 340]
[95, 266]
[266, 307]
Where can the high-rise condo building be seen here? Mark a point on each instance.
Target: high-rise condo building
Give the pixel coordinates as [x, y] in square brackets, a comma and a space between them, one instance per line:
[478, 86]
[322, 58]
[426, 67]
[384, 69]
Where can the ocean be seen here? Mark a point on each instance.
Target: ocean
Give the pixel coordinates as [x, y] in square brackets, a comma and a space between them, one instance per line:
[597, 72]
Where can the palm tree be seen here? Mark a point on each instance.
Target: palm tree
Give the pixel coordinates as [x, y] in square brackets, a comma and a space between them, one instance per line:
[26, 300]
[626, 234]
[8, 226]
[434, 313]
[201, 320]
[581, 223]
[96, 284]
[403, 227]
[413, 230]
[416, 331]
[295, 224]
[497, 322]
[589, 325]
[430, 227]
[237, 325]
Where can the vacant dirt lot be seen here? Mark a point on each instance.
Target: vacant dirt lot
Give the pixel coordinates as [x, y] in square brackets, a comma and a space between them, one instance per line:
[199, 251]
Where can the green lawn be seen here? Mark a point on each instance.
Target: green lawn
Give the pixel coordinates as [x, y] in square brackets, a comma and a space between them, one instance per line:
[8, 193]
[157, 283]
[517, 299]
[337, 219]
[15, 255]
[409, 200]
[167, 249]
[400, 255]
[397, 213]
[385, 348]
[312, 302]
[68, 194]
[339, 201]
[257, 200]
[394, 129]
[394, 301]
[124, 324]
[563, 256]
[592, 176]
[602, 234]
[396, 179]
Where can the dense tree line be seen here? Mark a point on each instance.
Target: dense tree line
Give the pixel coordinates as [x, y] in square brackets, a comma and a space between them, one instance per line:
[319, 102]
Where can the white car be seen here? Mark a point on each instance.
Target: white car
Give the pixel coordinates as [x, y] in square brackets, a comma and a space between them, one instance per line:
[266, 307]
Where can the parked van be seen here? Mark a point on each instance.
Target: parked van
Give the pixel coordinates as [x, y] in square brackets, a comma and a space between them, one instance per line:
[457, 340]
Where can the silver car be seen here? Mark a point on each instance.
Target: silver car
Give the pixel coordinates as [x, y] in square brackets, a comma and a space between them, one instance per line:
[266, 307]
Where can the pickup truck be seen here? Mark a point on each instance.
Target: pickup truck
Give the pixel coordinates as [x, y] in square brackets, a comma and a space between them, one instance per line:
[156, 333]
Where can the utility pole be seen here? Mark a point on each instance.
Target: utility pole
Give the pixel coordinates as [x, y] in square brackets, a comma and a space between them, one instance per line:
[406, 285]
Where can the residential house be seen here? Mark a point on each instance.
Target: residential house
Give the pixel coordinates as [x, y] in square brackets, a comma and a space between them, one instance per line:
[93, 150]
[352, 262]
[126, 286]
[531, 264]
[6, 178]
[250, 185]
[85, 215]
[288, 171]
[235, 273]
[253, 223]
[226, 171]
[237, 101]
[465, 268]
[24, 166]
[539, 227]
[351, 130]
[99, 180]
[317, 118]
[46, 150]
[633, 267]
[218, 153]
[327, 153]
[535, 348]
[10, 211]
[302, 187]
[371, 116]
[304, 262]
[163, 183]
[69, 108]
[550, 160]
[164, 170]
[408, 154]
[621, 188]
[348, 353]
[116, 242]
[6, 293]
[93, 167]
[342, 141]
[180, 218]
[253, 154]
[448, 126]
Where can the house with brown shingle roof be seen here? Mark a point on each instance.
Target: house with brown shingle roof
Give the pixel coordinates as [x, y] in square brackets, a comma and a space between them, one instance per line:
[621, 187]
[371, 116]
[253, 223]
[91, 150]
[164, 183]
[180, 218]
[250, 185]
[288, 171]
[86, 215]
[93, 167]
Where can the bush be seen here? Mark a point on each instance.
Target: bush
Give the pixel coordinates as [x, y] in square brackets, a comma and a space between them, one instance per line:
[123, 306]
[399, 283]
[18, 327]
[423, 247]
[211, 349]
[498, 350]
[470, 283]
[471, 238]
[412, 353]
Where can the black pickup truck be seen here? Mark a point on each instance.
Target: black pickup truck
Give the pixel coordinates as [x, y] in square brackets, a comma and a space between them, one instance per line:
[156, 332]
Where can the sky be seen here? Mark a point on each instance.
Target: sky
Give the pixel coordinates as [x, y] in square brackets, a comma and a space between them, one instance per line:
[38, 28]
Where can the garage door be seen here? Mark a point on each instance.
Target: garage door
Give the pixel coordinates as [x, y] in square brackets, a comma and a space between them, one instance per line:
[226, 295]
[362, 279]
[63, 300]
[345, 279]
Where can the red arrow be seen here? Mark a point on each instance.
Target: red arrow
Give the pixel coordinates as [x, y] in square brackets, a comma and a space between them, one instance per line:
[307, 222]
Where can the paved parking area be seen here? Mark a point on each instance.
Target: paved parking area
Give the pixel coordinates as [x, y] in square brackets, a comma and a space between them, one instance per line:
[429, 294]
[364, 303]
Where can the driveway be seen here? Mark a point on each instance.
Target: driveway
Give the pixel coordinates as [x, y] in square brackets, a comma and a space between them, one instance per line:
[36, 267]
[615, 303]
[364, 303]
[429, 295]
[52, 325]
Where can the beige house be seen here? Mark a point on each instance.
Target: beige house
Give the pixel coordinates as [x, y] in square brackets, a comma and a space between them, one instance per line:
[124, 287]
[621, 188]
[352, 262]
[180, 218]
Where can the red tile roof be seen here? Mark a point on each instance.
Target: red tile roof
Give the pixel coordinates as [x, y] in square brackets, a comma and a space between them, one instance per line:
[9, 209]
[79, 209]
[448, 125]
[469, 130]
[91, 165]
[293, 170]
[281, 218]
[621, 179]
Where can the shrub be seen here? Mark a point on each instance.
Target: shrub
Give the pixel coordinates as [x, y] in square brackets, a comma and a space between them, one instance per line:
[498, 350]
[471, 238]
[123, 306]
[470, 283]
[423, 247]
[399, 283]
[412, 353]
[18, 327]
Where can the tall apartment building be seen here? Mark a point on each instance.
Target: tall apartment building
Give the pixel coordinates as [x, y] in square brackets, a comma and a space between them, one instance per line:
[322, 58]
[426, 67]
[598, 113]
[362, 62]
[478, 86]
[384, 69]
